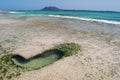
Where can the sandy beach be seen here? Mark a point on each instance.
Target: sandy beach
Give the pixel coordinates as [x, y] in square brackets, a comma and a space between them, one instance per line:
[100, 42]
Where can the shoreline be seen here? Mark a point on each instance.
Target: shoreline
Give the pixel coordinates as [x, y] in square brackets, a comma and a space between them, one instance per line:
[108, 19]
[88, 19]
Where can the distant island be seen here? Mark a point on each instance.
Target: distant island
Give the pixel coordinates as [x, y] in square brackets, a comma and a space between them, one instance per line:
[50, 8]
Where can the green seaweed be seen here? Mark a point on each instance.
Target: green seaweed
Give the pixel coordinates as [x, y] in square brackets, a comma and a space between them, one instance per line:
[13, 65]
[47, 57]
[68, 48]
[8, 69]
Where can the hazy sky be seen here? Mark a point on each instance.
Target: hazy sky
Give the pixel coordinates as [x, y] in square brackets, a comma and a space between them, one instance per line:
[112, 5]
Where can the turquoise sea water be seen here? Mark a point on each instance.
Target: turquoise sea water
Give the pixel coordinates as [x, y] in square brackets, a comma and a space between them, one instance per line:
[78, 14]
[90, 18]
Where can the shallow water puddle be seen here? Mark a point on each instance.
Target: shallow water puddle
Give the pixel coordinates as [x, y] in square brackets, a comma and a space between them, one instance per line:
[39, 61]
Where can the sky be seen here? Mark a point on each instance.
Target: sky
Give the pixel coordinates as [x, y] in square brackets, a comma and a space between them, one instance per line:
[106, 5]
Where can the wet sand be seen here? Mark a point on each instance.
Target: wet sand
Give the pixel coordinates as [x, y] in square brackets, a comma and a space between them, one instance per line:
[29, 36]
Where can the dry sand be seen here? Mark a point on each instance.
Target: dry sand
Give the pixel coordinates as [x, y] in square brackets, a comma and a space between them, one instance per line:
[28, 36]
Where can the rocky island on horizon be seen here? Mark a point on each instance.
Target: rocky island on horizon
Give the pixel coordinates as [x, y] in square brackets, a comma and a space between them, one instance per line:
[50, 8]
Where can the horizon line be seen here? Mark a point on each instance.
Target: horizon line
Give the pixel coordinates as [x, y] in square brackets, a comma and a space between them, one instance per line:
[57, 10]
[61, 9]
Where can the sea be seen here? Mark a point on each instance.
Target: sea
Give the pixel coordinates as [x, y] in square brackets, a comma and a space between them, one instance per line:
[110, 17]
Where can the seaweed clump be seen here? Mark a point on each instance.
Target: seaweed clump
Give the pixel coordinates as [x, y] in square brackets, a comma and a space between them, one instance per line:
[68, 49]
[8, 69]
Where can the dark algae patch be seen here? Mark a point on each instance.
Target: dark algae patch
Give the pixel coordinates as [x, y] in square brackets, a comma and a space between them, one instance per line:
[8, 69]
[13, 65]
[68, 49]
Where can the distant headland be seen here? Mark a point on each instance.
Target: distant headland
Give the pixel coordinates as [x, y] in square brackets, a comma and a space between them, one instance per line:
[50, 8]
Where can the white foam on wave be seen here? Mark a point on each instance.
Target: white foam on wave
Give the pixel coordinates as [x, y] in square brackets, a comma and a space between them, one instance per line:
[13, 12]
[87, 19]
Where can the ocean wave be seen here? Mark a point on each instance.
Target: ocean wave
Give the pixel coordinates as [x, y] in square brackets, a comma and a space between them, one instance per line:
[87, 19]
[14, 12]
[9, 12]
